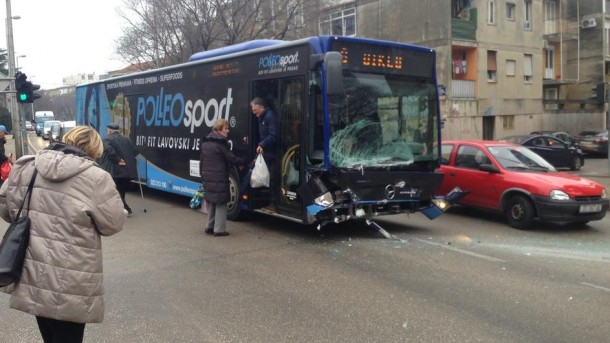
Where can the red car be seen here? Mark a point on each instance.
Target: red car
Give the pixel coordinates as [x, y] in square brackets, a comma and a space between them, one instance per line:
[513, 180]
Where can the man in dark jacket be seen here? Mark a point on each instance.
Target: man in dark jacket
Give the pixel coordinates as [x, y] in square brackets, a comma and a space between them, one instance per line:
[215, 161]
[119, 159]
[267, 130]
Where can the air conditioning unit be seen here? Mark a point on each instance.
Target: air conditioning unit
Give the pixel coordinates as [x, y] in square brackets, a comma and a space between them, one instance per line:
[526, 25]
[588, 23]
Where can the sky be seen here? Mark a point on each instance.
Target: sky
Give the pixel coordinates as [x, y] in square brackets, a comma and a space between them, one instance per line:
[64, 37]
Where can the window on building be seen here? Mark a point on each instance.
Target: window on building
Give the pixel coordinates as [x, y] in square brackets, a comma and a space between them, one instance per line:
[607, 38]
[491, 65]
[550, 17]
[510, 11]
[527, 15]
[491, 11]
[511, 67]
[549, 62]
[508, 122]
[527, 68]
[341, 23]
[551, 94]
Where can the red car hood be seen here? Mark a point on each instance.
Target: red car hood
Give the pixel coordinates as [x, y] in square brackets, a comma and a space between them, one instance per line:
[574, 185]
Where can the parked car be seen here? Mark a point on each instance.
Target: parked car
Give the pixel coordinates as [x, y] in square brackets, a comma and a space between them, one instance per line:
[597, 143]
[562, 136]
[513, 180]
[558, 153]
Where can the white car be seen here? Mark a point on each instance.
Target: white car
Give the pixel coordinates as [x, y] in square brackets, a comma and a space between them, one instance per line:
[28, 125]
[47, 128]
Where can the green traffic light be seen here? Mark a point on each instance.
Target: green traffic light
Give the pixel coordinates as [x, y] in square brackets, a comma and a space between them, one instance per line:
[23, 97]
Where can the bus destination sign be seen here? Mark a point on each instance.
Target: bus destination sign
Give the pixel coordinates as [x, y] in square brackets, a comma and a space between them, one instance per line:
[384, 59]
[372, 59]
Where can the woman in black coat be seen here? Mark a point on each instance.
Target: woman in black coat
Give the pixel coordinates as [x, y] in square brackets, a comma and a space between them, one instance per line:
[216, 157]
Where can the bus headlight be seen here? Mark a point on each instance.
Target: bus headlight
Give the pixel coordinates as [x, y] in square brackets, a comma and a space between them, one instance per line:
[324, 200]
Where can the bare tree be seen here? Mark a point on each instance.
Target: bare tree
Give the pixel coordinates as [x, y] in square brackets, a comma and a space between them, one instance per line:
[244, 20]
[166, 32]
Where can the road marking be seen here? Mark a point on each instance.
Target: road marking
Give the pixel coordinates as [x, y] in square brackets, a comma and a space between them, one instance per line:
[474, 254]
[595, 286]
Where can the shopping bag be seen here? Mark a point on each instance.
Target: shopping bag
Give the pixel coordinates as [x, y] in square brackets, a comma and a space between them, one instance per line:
[292, 174]
[204, 207]
[5, 169]
[260, 173]
[197, 198]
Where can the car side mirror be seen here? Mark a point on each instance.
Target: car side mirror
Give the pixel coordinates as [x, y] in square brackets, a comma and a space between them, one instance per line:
[489, 168]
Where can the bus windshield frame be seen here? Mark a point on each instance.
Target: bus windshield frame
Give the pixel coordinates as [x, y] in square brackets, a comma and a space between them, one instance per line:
[383, 120]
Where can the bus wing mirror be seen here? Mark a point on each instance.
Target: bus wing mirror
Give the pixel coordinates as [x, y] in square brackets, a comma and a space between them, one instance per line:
[334, 73]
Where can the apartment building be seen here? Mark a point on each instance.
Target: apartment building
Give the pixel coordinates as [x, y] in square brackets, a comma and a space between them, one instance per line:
[505, 66]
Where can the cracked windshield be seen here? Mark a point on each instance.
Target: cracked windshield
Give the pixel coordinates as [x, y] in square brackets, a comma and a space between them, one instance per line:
[383, 121]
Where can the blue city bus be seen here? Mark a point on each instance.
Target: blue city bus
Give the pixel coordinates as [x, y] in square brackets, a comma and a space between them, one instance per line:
[358, 124]
[40, 117]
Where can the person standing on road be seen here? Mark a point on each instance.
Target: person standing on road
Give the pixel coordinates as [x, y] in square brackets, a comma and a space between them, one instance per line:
[267, 130]
[119, 159]
[216, 158]
[73, 203]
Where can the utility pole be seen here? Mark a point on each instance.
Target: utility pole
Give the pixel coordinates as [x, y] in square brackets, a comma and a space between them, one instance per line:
[12, 98]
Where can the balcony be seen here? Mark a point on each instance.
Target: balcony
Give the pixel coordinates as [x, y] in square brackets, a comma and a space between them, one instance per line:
[566, 28]
[462, 89]
[464, 27]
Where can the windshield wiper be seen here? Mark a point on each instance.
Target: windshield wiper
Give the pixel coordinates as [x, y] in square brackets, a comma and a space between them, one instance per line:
[396, 159]
[540, 168]
[518, 167]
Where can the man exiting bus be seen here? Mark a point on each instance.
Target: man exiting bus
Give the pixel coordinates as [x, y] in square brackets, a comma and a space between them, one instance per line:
[267, 130]
[119, 159]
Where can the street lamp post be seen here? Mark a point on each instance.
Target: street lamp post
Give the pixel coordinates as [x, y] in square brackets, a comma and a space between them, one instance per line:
[17, 61]
[15, 118]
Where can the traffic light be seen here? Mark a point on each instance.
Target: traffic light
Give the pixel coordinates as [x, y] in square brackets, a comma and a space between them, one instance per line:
[25, 89]
[599, 93]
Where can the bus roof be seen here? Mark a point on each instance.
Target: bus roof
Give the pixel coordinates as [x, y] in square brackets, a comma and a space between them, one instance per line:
[245, 46]
[318, 43]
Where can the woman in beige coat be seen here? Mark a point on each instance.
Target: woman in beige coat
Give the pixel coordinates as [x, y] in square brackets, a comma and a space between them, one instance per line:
[74, 202]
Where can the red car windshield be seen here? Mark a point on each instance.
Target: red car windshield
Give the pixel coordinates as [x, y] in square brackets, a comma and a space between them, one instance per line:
[519, 158]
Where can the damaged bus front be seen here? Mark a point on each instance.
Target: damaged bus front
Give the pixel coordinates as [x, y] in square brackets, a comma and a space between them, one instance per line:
[373, 149]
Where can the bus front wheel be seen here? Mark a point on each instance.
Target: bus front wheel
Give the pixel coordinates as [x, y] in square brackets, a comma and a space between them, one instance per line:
[233, 209]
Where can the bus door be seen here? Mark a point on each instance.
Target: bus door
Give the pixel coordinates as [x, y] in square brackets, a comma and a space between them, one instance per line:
[286, 97]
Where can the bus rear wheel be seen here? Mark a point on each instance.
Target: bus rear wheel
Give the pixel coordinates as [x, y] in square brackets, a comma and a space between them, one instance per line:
[234, 211]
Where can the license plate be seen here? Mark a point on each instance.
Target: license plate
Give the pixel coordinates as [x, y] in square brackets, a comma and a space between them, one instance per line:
[590, 208]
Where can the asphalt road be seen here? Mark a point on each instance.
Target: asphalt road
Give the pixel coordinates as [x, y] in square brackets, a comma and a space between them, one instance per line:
[465, 277]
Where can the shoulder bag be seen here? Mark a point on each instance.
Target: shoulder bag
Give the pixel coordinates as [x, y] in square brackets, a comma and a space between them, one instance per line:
[15, 243]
